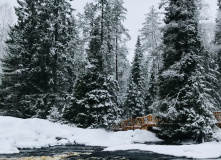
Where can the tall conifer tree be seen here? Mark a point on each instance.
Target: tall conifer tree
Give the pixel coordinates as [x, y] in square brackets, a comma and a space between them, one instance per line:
[135, 94]
[151, 38]
[183, 107]
[109, 14]
[17, 73]
[217, 42]
[92, 103]
[37, 63]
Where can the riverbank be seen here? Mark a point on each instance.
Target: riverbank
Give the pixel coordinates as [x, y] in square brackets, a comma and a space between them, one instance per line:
[76, 152]
[17, 134]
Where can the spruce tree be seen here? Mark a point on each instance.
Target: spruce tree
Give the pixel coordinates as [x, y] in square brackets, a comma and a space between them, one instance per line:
[59, 31]
[92, 103]
[17, 69]
[135, 94]
[42, 72]
[109, 15]
[217, 50]
[185, 112]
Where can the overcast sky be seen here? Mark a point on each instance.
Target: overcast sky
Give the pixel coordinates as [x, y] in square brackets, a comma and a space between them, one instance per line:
[135, 16]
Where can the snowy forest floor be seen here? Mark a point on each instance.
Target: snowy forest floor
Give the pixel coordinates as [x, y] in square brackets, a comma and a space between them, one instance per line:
[36, 133]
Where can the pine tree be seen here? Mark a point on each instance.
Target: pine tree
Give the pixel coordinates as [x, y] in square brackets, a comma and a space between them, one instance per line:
[92, 103]
[118, 16]
[123, 76]
[135, 94]
[115, 36]
[151, 35]
[110, 15]
[184, 107]
[151, 32]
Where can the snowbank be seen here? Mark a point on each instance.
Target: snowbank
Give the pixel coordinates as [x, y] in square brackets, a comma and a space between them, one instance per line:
[35, 133]
[201, 151]
[205, 150]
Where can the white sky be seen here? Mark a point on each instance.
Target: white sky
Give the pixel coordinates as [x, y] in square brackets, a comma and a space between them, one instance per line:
[135, 16]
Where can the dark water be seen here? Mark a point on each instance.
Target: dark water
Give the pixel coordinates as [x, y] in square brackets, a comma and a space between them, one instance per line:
[130, 155]
[90, 152]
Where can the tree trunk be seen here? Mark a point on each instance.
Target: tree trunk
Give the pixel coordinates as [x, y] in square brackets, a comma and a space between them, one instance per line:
[102, 21]
[55, 42]
[116, 57]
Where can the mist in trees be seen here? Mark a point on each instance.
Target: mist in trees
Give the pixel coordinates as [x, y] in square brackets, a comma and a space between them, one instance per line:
[7, 18]
[151, 37]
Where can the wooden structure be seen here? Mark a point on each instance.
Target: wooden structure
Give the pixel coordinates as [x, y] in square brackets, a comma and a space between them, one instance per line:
[146, 122]
[149, 121]
[217, 115]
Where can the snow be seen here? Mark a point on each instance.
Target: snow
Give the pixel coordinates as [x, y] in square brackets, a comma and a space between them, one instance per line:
[35, 133]
[204, 150]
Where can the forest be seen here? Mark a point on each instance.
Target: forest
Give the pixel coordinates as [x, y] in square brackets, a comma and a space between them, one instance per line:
[73, 69]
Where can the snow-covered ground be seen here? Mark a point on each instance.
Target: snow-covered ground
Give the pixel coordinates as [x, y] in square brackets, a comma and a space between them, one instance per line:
[34, 133]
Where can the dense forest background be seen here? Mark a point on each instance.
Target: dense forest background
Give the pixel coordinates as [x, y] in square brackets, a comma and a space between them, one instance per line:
[73, 68]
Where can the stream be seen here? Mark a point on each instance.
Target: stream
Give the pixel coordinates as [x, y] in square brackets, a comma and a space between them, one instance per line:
[74, 152]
